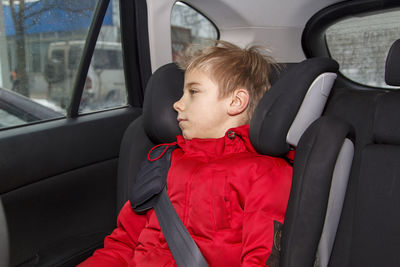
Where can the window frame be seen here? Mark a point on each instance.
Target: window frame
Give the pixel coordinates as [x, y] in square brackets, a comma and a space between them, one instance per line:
[135, 58]
[88, 50]
[135, 49]
[313, 38]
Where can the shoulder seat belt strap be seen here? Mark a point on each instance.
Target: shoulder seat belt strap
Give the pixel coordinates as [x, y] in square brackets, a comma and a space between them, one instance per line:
[182, 246]
[150, 191]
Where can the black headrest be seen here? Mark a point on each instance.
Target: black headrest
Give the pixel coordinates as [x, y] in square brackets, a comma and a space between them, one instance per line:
[392, 68]
[272, 118]
[279, 107]
[164, 88]
[387, 119]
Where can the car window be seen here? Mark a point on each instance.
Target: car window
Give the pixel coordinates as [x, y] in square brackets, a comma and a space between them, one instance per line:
[360, 45]
[41, 52]
[33, 54]
[105, 82]
[190, 27]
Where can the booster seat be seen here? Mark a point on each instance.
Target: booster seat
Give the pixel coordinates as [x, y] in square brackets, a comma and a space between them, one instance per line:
[281, 117]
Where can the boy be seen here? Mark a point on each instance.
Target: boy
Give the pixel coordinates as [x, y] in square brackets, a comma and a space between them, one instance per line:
[228, 196]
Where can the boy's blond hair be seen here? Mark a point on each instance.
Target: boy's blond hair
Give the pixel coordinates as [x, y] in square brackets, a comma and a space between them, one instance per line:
[232, 67]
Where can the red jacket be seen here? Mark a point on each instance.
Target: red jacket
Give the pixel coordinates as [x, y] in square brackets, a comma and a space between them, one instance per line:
[226, 194]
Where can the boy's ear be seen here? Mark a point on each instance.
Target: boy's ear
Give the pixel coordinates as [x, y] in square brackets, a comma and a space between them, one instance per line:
[239, 102]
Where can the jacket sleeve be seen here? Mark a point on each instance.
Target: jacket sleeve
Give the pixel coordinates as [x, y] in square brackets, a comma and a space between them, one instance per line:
[265, 203]
[120, 245]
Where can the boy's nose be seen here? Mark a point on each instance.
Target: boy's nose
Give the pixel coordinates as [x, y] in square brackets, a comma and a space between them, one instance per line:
[178, 105]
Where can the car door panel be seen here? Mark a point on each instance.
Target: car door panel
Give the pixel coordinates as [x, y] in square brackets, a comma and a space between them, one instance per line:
[58, 185]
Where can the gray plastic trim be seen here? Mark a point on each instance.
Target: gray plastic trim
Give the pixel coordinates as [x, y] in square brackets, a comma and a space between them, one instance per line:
[337, 193]
[311, 107]
[4, 245]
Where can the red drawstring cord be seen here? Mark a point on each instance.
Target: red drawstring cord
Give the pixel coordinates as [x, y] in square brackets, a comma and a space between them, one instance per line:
[165, 149]
[290, 155]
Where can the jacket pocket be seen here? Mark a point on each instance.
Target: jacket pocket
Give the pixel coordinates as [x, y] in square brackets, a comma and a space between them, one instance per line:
[221, 203]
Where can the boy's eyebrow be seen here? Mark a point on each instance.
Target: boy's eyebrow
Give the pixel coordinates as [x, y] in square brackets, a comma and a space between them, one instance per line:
[191, 84]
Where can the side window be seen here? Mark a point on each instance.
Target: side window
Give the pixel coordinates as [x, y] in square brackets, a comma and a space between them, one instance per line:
[33, 56]
[360, 45]
[189, 27]
[105, 82]
[40, 51]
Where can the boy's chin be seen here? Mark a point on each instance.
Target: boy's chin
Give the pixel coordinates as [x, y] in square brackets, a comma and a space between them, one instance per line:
[186, 136]
[189, 135]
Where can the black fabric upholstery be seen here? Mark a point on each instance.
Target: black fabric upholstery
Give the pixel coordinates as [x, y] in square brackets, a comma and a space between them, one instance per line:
[278, 108]
[158, 124]
[387, 119]
[134, 148]
[277, 72]
[368, 231]
[358, 109]
[392, 68]
[376, 237]
[314, 163]
[163, 89]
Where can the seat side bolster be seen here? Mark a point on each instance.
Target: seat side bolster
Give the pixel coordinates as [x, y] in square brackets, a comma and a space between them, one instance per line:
[337, 194]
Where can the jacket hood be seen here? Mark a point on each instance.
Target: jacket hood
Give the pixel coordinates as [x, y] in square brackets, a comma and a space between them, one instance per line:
[235, 140]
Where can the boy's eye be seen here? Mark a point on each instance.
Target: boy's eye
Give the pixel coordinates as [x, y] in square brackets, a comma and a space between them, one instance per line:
[192, 91]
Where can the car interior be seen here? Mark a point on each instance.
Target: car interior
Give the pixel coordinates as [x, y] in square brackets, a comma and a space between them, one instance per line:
[65, 173]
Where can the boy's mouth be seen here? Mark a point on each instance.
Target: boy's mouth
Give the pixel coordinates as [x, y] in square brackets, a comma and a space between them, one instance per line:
[181, 122]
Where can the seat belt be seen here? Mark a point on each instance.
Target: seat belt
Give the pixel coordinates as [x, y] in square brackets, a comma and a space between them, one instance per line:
[180, 242]
[150, 191]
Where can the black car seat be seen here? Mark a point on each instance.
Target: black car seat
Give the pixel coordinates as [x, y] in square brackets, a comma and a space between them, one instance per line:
[294, 101]
[369, 232]
[321, 167]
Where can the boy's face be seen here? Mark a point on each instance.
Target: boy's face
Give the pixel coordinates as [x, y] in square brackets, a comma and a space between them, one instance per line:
[201, 112]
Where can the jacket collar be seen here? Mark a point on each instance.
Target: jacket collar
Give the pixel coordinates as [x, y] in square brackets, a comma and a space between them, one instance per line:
[235, 140]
